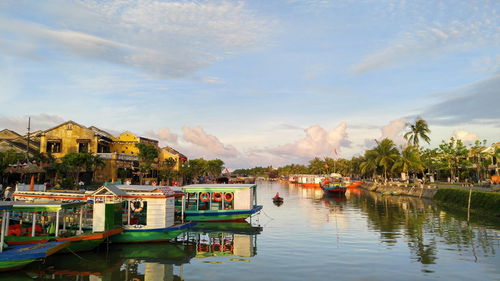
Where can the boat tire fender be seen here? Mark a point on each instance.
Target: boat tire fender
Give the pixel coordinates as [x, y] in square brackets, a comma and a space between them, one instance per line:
[228, 196]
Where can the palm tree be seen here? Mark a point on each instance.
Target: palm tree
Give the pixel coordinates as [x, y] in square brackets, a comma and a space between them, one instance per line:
[419, 130]
[385, 154]
[369, 165]
[409, 160]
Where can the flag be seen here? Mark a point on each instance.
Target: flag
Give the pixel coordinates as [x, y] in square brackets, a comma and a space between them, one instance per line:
[335, 151]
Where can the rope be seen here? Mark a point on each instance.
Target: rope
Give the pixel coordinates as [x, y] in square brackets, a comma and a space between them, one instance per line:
[71, 251]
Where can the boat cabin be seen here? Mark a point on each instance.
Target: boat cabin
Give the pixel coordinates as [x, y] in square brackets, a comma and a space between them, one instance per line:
[213, 197]
[60, 219]
[144, 207]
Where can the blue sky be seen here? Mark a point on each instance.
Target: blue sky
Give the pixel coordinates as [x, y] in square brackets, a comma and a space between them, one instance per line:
[254, 82]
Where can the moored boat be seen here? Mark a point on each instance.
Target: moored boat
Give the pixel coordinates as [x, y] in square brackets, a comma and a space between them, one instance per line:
[16, 257]
[36, 223]
[333, 186]
[149, 212]
[219, 202]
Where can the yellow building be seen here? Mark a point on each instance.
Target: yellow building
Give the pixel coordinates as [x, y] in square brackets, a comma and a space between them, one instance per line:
[168, 152]
[120, 153]
[73, 137]
[126, 143]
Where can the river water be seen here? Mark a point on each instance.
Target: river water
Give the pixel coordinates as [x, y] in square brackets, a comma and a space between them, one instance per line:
[362, 236]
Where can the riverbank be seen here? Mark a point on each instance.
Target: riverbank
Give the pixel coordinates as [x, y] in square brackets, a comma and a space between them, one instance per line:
[426, 191]
[488, 202]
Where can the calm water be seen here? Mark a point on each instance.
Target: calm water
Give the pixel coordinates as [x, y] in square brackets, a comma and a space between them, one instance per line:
[362, 236]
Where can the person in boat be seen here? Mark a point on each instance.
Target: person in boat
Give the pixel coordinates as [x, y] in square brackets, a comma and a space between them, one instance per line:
[277, 195]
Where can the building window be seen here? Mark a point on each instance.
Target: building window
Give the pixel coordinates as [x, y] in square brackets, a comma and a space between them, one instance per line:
[102, 148]
[69, 127]
[83, 147]
[54, 146]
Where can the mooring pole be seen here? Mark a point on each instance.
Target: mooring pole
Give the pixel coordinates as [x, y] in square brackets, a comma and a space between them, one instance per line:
[468, 205]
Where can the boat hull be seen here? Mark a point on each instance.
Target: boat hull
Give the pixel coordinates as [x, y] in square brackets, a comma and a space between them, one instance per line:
[334, 190]
[16, 257]
[150, 235]
[79, 243]
[221, 215]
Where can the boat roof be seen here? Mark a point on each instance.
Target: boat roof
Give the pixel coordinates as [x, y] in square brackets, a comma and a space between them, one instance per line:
[110, 188]
[218, 186]
[44, 207]
[6, 205]
[144, 188]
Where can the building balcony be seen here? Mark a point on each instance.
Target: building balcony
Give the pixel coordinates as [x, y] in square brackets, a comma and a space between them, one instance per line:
[118, 156]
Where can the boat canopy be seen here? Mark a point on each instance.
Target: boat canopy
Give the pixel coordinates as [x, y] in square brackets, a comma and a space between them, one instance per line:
[47, 207]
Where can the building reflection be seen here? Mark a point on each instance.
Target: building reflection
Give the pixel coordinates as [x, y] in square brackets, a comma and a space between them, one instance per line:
[138, 262]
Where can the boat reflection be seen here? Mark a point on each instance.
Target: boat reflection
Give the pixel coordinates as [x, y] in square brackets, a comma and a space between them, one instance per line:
[122, 262]
[229, 239]
[334, 199]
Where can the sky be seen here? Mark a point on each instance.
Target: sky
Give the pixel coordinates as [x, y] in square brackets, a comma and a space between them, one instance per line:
[254, 83]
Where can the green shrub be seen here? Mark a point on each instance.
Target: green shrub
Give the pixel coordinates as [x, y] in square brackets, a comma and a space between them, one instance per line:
[487, 201]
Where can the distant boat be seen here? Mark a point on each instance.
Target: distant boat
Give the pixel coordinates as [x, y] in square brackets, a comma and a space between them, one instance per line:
[333, 186]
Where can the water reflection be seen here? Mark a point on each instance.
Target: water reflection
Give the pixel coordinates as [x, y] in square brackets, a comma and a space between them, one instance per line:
[152, 261]
[359, 236]
[421, 224]
[223, 239]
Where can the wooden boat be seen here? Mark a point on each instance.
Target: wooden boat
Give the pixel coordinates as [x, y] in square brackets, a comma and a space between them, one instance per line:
[149, 212]
[333, 186]
[16, 257]
[220, 202]
[310, 181]
[35, 223]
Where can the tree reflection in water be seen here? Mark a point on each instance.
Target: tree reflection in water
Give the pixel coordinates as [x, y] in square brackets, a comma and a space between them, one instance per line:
[424, 225]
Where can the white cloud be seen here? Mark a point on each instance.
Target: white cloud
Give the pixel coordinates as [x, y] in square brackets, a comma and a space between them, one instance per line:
[394, 131]
[317, 142]
[208, 143]
[166, 38]
[19, 124]
[466, 137]
[164, 135]
[431, 42]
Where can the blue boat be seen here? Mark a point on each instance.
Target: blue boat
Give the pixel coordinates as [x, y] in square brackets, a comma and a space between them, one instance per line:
[16, 257]
[333, 186]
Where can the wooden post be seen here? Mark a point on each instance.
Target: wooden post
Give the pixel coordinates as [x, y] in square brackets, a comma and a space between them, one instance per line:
[57, 224]
[468, 205]
[33, 224]
[182, 210]
[2, 234]
[81, 219]
[128, 212]
[7, 221]
[197, 200]
[64, 222]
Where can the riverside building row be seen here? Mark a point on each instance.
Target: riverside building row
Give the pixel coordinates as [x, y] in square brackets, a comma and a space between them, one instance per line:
[120, 153]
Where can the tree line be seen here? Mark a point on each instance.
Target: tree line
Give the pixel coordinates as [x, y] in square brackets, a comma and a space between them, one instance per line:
[451, 159]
